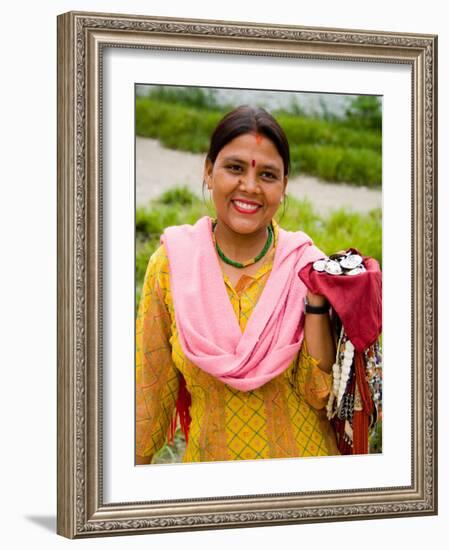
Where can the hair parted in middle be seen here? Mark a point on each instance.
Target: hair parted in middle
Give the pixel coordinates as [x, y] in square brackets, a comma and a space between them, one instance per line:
[245, 120]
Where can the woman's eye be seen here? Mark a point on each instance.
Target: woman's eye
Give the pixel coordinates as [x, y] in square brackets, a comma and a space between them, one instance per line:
[269, 175]
[234, 167]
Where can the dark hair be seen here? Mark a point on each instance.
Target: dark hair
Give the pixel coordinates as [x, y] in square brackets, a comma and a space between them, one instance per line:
[244, 120]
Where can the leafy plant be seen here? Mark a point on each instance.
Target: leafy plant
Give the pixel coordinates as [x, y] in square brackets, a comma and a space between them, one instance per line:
[186, 95]
[365, 112]
[336, 150]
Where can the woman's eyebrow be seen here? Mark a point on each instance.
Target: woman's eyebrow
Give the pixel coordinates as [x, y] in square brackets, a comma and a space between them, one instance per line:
[241, 161]
[271, 167]
[234, 159]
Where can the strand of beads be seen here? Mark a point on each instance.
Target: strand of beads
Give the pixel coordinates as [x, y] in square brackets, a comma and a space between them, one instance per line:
[335, 379]
[348, 433]
[341, 372]
[348, 357]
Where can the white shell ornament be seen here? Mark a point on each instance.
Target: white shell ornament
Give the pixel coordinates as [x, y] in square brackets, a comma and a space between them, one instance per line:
[319, 265]
[349, 346]
[351, 261]
[356, 271]
[333, 268]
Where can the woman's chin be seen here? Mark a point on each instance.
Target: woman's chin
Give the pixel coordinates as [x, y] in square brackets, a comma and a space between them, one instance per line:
[244, 226]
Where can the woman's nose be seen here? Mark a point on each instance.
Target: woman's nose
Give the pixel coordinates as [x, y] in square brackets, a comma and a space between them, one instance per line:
[249, 180]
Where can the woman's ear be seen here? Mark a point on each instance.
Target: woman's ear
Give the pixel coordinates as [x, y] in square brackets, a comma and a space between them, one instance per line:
[208, 167]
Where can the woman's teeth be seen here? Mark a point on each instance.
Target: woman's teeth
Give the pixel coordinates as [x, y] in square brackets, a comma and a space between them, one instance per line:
[246, 206]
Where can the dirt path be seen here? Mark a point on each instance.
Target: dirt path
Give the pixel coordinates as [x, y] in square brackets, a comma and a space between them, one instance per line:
[159, 168]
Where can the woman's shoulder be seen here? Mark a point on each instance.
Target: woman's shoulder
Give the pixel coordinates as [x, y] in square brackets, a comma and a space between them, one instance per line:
[159, 256]
[158, 263]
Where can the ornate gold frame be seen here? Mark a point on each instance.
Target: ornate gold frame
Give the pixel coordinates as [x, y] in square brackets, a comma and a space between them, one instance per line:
[81, 38]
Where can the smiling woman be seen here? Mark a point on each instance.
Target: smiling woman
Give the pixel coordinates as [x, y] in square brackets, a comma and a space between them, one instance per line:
[224, 341]
[247, 182]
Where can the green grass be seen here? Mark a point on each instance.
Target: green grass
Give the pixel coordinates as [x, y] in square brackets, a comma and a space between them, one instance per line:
[375, 439]
[334, 150]
[338, 164]
[171, 453]
[191, 96]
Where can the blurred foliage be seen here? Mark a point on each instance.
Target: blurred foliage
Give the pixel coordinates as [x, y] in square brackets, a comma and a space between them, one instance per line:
[172, 452]
[335, 149]
[338, 164]
[375, 439]
[190, 96]
[365, 112]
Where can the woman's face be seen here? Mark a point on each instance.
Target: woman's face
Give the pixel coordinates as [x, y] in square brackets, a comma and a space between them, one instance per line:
[247, 182]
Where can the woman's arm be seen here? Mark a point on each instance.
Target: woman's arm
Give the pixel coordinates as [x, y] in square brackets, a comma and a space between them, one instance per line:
[311, 382]
[318, 334]
[157, 379]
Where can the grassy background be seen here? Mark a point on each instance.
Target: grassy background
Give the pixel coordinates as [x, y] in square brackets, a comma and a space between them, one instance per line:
[339, 149]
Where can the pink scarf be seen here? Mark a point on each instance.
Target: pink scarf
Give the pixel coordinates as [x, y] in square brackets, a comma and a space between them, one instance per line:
[208, 329]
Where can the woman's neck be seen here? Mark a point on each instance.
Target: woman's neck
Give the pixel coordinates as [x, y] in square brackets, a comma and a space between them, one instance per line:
[239, 246]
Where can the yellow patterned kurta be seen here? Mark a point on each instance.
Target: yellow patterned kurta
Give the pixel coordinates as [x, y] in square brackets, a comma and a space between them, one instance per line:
[286, 417]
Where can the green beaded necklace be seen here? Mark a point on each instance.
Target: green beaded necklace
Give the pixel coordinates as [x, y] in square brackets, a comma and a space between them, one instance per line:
[248, 262]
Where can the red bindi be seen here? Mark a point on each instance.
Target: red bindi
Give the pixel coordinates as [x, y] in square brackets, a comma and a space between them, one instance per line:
[253, 163]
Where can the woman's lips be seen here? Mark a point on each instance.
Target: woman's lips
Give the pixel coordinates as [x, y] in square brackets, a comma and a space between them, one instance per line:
[244, 207]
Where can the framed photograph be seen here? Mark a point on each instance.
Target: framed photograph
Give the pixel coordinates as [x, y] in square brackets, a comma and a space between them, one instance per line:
[138, 98]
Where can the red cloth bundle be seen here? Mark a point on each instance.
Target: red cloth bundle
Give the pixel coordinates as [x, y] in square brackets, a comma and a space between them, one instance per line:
[357, 300]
